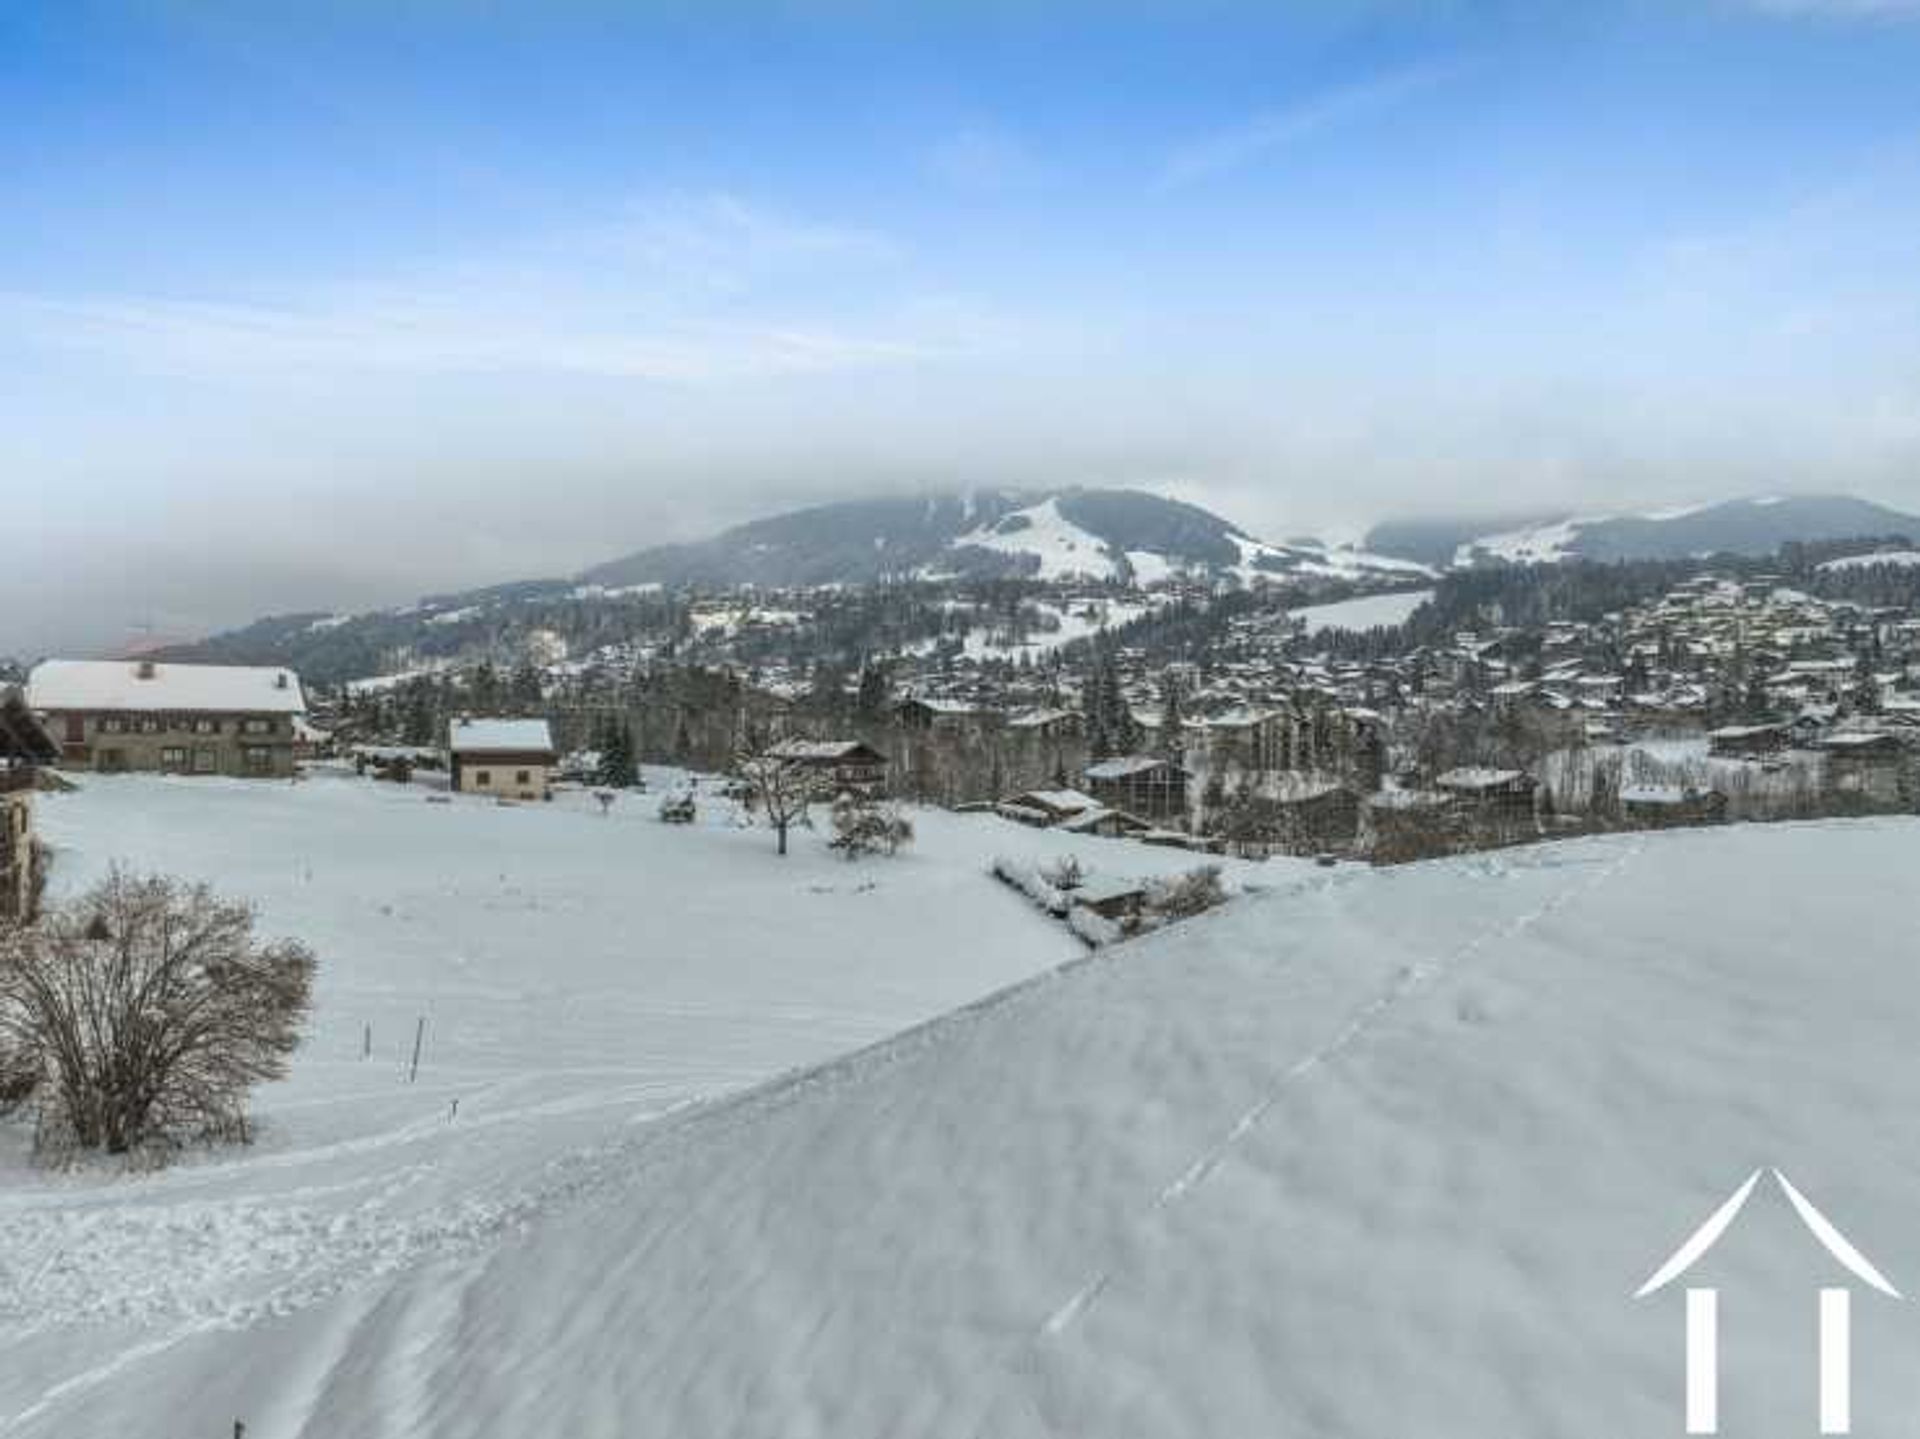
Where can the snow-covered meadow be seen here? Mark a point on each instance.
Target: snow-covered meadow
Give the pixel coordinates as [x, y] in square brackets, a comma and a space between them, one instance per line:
[1371, 1153]
[578, 975]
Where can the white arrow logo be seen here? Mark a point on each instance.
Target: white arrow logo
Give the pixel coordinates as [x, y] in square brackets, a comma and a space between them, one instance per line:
[1703, 1310]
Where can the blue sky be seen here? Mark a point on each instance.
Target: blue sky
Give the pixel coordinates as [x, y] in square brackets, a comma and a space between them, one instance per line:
[538, 284]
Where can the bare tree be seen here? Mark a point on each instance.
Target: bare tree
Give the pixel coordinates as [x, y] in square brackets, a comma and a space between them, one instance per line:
[779, 790]
[146, 1010]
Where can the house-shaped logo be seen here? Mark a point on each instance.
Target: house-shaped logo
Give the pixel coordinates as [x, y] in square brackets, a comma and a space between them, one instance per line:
[1703, 1309]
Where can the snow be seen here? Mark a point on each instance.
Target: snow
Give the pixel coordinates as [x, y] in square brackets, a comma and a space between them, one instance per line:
[1150, 567]
[1311, 557]
[581, 977]
[1901, 558]
[1530, 544]
[154, 685]
[1367, 612]
[377, 684]
[1380, 1152]
[493, 736]
[1062, 547]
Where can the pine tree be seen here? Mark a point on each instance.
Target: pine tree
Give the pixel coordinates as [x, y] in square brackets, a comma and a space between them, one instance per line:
[1173, 715]
[870, 701]
[617, 768]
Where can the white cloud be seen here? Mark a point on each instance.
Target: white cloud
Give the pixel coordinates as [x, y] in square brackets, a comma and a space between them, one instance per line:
[1275, 130]
[685, 290]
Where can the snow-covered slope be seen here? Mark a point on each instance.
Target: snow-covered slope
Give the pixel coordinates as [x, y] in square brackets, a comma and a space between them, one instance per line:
[1040, 533]
[1899, 559]
[1365, 613]
[1750, 527]
[1381, 1153]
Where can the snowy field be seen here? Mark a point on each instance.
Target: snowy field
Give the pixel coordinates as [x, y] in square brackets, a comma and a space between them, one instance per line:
[1373, 1153]
[579, 976]
[1367, 612]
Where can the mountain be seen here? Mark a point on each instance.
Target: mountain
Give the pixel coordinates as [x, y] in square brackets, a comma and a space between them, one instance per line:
[1097, 534]
[1741, 527]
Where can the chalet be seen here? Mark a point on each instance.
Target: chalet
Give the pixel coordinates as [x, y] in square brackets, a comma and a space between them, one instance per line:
[1144, 784]
[944, 716]
[150, 715]
[25, 746]
[843, 765]
[1659, 805]
[1045, 807]
[1504, 793]
[1747, 741]
[1862, 746]
[1109, 824]
[1403, 824]
[1048, 724]
[508, 758]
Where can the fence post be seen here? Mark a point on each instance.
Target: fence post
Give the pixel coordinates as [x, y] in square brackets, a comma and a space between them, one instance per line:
[419, 1033]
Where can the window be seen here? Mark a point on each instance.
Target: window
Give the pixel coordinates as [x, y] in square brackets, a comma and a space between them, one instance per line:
[258, 759]
[205, 761]
[173, 759]
[524, 777]
[206, 726]
[483, 778]
[256, 726]
[113, 724]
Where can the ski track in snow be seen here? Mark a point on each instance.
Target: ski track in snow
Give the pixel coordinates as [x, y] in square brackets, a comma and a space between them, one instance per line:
[1411, 981]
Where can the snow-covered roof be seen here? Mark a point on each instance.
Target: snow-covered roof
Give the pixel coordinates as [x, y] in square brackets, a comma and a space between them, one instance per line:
[819, 749]
[156, 685]
[1091, 819]
[1061, 799]
[499, 736]
[1034, 719]
[1126, 766]
[1470, 777]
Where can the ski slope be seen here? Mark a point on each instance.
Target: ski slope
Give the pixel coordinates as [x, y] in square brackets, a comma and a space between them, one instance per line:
[1365, 613]
[1377, 1152]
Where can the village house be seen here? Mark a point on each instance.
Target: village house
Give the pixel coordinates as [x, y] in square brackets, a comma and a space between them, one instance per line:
[149, 715]
[1656, 806]
[1494, 793]
[1748, 741]
[1142, 784]
[1044, 807]
[945, 716]
[842, 765]
[509, 758]
[24, 747]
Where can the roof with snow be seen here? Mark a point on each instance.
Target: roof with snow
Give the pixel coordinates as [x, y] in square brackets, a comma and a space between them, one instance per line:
[1127, 766]
[153, 685]
[824, 749]
[1473, 778]
[499, 736]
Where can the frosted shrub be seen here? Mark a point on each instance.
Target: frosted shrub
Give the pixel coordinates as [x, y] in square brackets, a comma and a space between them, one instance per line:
[1195, 892]
[864, 826]
[146, 1010]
